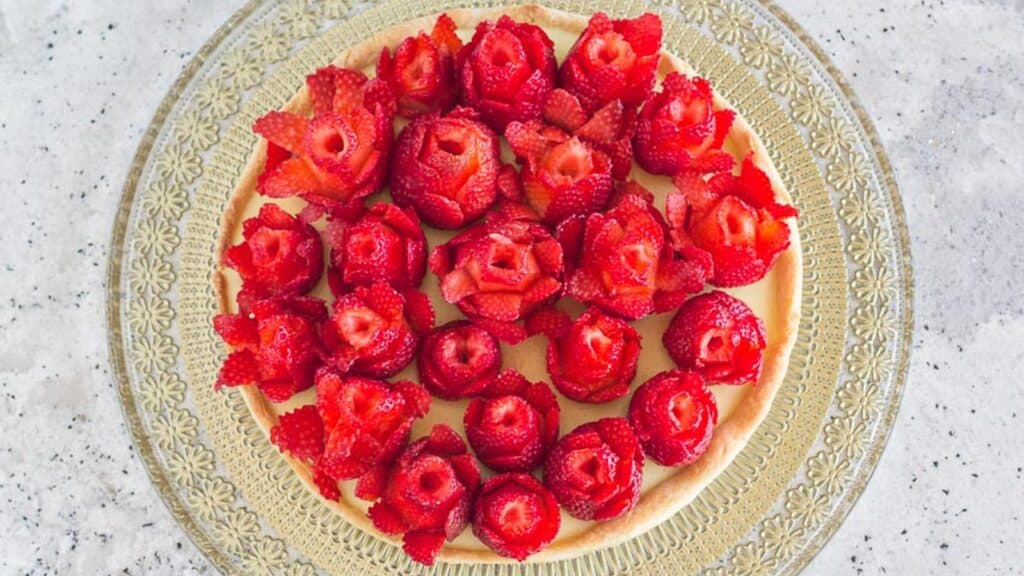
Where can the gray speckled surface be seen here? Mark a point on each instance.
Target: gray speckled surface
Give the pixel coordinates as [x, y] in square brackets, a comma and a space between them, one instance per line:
[79, 81]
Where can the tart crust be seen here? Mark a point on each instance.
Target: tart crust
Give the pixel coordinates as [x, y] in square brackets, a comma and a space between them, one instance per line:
[670, 495]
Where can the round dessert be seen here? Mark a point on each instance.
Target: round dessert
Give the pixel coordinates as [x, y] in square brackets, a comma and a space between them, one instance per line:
[508, 285]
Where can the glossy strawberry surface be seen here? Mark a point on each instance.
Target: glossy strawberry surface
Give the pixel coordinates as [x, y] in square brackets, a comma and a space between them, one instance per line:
[421, 72]
[514, 424]
[427, 493]
[515, 515]
[338, 155]
[595, 359]
[446, 168]
[499, 271]
[613, 60]
[595, 471]
[735, 219]
[679, 129]
[673, 415]
[506, 70]
[458, 360]
[276, 345]
[366, 421]
[384, 243]
[374, 330]
[620, 260]
[719, 337]
[562, 175]
[279, 255]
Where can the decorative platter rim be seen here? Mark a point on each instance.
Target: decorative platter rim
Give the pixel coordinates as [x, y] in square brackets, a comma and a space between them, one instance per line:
[135, 329]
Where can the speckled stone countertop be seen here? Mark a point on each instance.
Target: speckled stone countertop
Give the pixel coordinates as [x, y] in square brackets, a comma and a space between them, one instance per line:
[944, 82]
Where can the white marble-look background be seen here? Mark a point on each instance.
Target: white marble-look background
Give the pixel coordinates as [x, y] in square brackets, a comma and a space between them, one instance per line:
[944, 81]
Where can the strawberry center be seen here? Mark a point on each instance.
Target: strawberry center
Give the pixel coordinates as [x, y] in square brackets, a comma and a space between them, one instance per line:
[568, 162]
[433, 480]
[596, 341]
[591, 469]
[359, 326]
[418, 69]
[716, 346]
[682, 412]
[509, 416]
[686, 110]
[515, 512]
[610, 49]
[502, 65]
[268, 246]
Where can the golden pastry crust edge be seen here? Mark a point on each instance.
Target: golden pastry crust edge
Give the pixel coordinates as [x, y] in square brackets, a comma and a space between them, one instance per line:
[663, 500]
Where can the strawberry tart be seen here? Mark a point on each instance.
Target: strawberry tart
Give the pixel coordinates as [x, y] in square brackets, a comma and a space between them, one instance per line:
[508, 285]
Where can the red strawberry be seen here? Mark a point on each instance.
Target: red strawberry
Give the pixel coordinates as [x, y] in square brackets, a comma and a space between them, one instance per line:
[506, 70]
[428, 494]
[382, 244]
[673, 415]
[422, 71]
[341, 153]
[366, 421]
[499, 271]
[514, 425]
[621, 262]
[371, 331]
[446, 168]
[458, 360]
[678, 129]
[609, 129]
[595, 471]
[328, 486]
[515, 515]
[278, 346]
[734, 219]
[279, 255]
[561, 175]
[717, 336]
[613, 60]
[300, 433]
[595, 361]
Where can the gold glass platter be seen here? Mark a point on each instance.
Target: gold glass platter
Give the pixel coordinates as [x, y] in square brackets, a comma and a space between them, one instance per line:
[768, 513]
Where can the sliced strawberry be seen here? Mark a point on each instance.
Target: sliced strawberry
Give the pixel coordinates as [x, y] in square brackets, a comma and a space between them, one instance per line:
[596, 358]
[300, 433]
[512, 427]
[515, 515]
[673, 415]
[328, 486]
[423, 545]
[719, 337]
[458, 360]
[386, 519]
[595, 471]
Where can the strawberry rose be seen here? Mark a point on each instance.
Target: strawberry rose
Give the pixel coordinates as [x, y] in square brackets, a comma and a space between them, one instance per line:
[277, 345]
[515, 515]
[719, 337]
[499, 271]
[674, 415]
[613, 60]
[338, 155]
[426, 494]
[458, 360]
[447, 168]
[506, 70]
[514, 424]
[735, 219]
[562, 175]
[595, 471]
[279, 255]
[381, 244]
[620, 260]
[375, 330]
[366, 421]
[421, 72]
[678, 129]
[595, 359]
